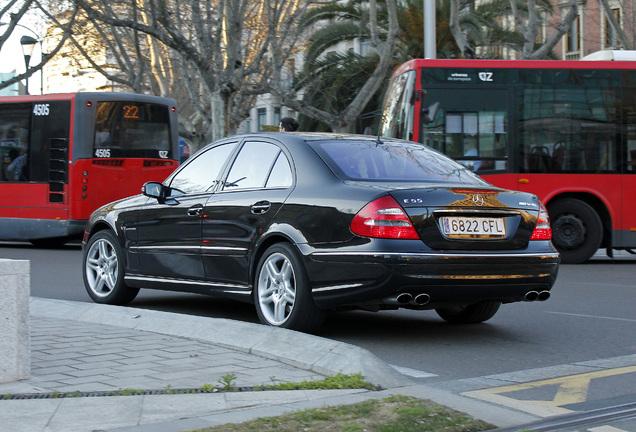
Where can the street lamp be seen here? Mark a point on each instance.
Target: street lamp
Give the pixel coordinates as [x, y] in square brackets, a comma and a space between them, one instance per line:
[28, 43]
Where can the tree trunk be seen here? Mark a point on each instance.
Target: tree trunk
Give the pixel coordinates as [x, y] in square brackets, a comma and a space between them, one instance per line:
[217, 116]
[622, 36]
[458, 34]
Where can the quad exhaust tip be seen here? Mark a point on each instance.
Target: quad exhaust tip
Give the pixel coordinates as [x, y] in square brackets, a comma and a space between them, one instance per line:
[537, 295]
[407, 298]
[404, 298]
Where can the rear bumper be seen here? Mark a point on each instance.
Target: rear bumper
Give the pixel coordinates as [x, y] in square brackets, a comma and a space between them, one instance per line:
[342, 278]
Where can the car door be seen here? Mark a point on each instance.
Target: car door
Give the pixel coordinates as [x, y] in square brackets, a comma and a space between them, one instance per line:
[169, 231]
[258, 183]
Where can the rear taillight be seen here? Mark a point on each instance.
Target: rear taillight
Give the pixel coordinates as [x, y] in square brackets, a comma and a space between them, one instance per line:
[383, 218]
[542, 231]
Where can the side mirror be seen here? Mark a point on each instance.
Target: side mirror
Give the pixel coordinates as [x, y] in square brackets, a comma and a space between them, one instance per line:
[154, 190]
[428, 114]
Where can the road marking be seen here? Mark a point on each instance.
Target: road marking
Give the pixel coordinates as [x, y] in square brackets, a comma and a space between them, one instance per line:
[571, 389]
[606, 429]
[412, 372]
[592, 316]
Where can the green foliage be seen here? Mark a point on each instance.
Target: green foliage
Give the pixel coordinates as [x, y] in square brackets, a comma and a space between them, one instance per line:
[339, 381]
[227, 382]
[208, 388]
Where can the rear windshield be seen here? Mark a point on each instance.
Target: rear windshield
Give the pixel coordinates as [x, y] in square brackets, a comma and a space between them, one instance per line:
[392, 161]
[132, 129]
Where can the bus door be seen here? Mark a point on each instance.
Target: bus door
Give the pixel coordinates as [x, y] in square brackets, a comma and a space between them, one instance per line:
[472, 126]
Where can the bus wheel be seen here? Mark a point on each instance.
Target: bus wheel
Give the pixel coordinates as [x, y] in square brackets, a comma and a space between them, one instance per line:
[577, 230]
[282, 292]
[104, 271]
[471, 314]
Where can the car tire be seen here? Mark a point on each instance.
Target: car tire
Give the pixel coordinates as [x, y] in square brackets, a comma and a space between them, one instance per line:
[471, 314]
[577, 230]
[104, 271]
[282, 292]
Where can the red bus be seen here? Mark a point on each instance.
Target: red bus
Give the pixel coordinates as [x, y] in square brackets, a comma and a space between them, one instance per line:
[64, 155]
[563, 130]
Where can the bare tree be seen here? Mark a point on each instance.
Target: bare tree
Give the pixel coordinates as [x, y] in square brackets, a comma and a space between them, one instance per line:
[529, 26]
[623, 37]
[527, 16]
[464, 46]
[217, 53]
[16, 10]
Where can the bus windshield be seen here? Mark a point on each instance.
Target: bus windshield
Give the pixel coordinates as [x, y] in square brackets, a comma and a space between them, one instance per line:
[131, 129]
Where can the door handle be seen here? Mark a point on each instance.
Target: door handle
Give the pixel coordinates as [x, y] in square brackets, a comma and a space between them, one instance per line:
[261, 207]
[195, 210]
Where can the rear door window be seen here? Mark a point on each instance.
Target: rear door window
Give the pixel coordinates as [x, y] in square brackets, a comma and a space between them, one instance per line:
[259, 165]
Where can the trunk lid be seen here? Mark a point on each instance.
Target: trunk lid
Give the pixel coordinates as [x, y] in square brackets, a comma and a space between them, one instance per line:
[460, 218]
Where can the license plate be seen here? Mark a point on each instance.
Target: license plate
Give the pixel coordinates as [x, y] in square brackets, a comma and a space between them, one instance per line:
[473, 227]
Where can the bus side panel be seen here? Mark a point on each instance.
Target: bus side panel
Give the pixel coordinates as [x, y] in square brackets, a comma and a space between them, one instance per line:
[26, 200]
[506, 181]
[549, 187]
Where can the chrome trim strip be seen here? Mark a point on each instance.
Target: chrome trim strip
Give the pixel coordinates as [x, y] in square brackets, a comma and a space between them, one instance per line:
[224, 248]
[184, 282]
[336, 287]
[192, 248]
[441, 255]
[168, 247]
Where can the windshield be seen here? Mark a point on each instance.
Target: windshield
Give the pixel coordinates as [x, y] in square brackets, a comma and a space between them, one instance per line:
[392, 161]
[132, 129]
[397, 118]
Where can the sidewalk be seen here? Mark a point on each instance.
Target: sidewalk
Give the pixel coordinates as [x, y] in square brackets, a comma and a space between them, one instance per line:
[92, 349]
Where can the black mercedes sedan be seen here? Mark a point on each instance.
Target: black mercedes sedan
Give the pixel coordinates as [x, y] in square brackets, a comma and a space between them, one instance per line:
[302, 223]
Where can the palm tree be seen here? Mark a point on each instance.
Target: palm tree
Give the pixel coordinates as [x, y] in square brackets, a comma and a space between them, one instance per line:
[331, 79]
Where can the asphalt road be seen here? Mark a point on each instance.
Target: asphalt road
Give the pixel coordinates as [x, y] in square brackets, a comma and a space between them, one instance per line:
[586, 332]
[591, 315]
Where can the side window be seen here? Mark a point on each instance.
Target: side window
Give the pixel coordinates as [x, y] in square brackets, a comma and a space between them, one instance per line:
[14, 141]
[201, 173]
[569, 129]
[281, 175]
[252, 166]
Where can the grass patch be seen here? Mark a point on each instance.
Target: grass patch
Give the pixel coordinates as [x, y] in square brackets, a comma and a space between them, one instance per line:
[393, 414]
[335, 382]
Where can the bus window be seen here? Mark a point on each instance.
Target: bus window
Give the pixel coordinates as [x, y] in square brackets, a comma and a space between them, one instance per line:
[127, 129]
[470, 125]
[14, 139]
[568, 129]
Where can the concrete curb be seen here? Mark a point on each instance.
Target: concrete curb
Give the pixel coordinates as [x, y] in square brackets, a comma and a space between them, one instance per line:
[314, 353]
